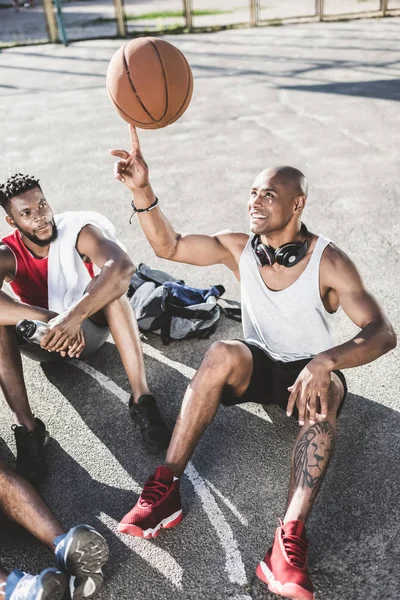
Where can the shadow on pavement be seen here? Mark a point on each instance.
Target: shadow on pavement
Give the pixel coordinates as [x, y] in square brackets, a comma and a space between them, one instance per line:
[387, 89]
[74, 497]
[352, 526]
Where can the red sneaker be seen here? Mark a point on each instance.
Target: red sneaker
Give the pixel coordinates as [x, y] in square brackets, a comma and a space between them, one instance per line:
[159, 506]
[284, 567]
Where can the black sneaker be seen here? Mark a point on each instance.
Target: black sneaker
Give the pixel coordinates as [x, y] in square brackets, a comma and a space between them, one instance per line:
[155, 434]
[31, 463]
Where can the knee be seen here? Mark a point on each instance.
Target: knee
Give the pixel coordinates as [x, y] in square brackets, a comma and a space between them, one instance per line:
[222, 356]
[335, 394]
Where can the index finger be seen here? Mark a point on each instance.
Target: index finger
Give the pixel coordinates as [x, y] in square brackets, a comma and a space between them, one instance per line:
[135, 144]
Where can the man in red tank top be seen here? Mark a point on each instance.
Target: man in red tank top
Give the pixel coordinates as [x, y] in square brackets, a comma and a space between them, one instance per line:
[76, 332]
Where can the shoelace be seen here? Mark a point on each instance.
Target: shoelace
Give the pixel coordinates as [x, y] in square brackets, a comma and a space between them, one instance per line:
[296, 550]
[152, 492]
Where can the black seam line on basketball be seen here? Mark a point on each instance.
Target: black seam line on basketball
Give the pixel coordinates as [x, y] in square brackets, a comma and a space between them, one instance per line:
[134, 89]
[126, 114]
[187, 91]
[165, 79]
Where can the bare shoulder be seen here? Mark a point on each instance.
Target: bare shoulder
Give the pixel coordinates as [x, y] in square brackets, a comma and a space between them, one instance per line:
[337, 267]
[233, 241]
[7, 263]
[89, 238]
[90, 231]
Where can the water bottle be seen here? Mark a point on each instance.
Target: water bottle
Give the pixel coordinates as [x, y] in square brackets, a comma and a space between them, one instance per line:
[32, 331]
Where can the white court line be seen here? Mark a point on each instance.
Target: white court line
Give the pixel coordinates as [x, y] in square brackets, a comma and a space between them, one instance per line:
[103, 380]
[233, 564]
[227, 503]
[174, 364]
[154, 555]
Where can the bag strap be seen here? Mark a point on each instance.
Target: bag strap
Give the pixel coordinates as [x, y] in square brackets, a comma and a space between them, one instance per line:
[156, 281]
[232, 313]
[187, 313]
[165, 331]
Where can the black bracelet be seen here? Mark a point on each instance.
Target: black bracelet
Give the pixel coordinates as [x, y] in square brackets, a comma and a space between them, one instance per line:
[140, 210]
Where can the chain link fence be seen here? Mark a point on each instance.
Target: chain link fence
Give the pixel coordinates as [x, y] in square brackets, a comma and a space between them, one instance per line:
[38, 21]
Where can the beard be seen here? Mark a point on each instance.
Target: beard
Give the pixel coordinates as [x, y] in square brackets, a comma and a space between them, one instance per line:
[42, 242]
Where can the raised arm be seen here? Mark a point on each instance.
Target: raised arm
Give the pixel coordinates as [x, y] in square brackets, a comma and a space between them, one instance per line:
[202, 250]
[12, 310]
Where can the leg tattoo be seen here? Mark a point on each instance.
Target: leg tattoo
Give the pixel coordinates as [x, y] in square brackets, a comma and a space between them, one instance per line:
[312, 455]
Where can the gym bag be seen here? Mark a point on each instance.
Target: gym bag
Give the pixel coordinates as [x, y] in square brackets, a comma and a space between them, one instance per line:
[169, 307]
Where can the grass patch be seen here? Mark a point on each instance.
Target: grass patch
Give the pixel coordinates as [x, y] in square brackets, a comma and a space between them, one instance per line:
[165, 14]
[17, 43]
[151, 16]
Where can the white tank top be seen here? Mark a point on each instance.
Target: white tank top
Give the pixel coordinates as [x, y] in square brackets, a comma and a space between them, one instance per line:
[290, 324]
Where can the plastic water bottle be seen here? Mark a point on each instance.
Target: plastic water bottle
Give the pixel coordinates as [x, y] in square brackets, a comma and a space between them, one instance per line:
[32, 331]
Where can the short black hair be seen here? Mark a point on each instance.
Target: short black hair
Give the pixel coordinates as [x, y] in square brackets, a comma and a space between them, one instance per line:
[14, 186]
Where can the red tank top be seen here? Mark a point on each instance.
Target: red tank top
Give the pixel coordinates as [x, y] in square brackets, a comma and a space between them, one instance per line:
[30, 280]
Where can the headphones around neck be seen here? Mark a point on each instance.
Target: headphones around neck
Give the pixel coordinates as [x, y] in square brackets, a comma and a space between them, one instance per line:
[287, 255]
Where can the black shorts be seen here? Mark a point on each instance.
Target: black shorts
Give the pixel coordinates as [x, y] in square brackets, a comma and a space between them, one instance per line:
[270, 380]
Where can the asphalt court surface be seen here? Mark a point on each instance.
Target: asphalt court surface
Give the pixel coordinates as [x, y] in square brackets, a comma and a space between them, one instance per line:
[322, 97]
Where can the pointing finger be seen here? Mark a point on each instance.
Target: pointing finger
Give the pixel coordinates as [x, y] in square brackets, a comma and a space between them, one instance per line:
[135, 144]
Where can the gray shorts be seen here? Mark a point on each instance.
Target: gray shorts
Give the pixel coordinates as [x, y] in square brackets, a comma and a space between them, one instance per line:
[95, 337]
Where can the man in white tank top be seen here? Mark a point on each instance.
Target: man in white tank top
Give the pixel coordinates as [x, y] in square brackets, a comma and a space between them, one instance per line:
[291, 282]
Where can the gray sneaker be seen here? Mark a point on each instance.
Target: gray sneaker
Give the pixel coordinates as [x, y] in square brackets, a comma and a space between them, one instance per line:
[81, 553]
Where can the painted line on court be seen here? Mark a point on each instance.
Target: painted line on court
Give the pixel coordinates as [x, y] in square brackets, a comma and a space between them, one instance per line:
[158, 558]
[174, 364]
[233, 564]
[103, 380]
[154, 555]
[227, 503]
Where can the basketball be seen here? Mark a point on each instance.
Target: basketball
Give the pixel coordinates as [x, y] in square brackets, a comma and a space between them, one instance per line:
[150, 82]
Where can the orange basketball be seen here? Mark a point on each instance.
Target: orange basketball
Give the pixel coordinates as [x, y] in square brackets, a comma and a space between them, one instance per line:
[150, 82]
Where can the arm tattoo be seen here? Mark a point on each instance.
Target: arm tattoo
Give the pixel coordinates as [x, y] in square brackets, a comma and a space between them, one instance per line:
[312, 455]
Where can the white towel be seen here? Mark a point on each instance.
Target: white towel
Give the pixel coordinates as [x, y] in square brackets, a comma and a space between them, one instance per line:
[67, 275]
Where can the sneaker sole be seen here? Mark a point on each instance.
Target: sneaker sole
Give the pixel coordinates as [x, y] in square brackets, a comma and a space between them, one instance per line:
[288, 590]
[87, 554]
[167, 523]
[53, 586]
